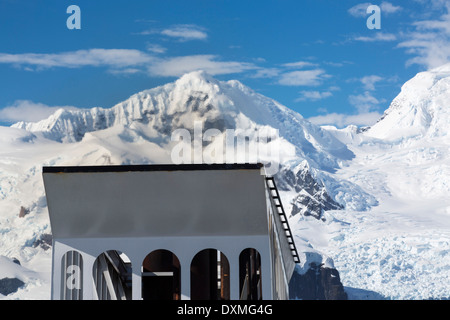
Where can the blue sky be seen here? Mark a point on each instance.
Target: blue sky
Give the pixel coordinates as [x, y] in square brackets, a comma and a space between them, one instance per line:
[317, 57]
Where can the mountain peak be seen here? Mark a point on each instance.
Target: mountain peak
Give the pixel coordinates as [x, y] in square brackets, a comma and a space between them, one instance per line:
[422, 108]
[196, 76]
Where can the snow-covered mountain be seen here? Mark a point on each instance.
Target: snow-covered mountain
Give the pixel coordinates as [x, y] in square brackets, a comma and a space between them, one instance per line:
[399, 249]
[196, 97]
[372, 204]
[421, 110]
[151, 116]
[140, 131]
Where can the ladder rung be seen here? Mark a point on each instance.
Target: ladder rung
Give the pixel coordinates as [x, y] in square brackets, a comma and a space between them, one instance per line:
[284, 221]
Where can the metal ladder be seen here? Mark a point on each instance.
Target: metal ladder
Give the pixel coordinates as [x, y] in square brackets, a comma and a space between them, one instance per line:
[276, 200]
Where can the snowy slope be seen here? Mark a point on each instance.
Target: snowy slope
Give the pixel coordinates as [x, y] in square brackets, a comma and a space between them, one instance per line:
[399, 249]
[420, 110]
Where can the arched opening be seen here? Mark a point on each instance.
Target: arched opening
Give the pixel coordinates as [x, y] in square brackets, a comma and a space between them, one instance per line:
[161, 276]
[210, 276]
[250, 275]
[112, 276]
[72, 276]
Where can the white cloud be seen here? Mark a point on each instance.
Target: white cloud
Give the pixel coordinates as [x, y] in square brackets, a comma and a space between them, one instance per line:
[369, 81]
[299, 64]
[336, 64]
[443, 25]
[340, 120]
[360, 10]
[29, 111]
[364, 103]
[303, 78]
[266, 73]
[430, 52]
[177, 66]
[430, 42]
[117, 58]
[366, 106]
[387, 7]
[124, 71]
[185, 32]
[334, 88]
[314, 95]
[156, 48]
[379, 36]
[125, 61]
[433, 4]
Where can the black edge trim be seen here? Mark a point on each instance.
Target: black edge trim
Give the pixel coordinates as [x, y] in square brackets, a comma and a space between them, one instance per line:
[152, 167]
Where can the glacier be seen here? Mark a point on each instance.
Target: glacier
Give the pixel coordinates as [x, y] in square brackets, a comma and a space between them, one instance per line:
[399, 248]
[372, 203]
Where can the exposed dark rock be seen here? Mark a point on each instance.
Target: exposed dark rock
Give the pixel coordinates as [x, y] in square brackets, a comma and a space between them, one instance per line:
[318, 283]
[196, 103]
[23, 212]
[45, 241]
[314, 204]
[10, 285]
[312, 199]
